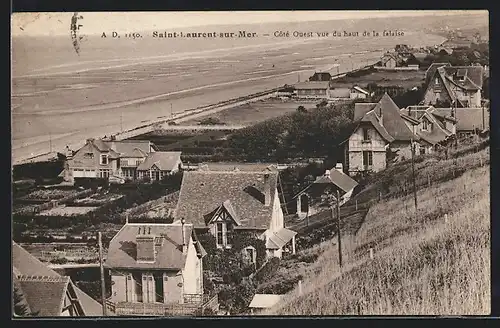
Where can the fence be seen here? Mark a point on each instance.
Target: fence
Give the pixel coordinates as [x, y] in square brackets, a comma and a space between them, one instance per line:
[53, 203]
[161, 309]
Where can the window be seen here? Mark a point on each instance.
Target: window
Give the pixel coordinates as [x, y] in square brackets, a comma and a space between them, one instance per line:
[422, 151]
[104, 159]
[88, 155]
[436, 81]
[366, 135]
[103, 173]
[367, 158]
[219, 234]
[424, 124]
[224, 234]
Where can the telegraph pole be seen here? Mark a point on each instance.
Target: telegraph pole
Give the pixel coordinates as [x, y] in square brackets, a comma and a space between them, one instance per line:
[101, 266]
[171, 111]
[338, 228]
[121, 122]
[413, 173]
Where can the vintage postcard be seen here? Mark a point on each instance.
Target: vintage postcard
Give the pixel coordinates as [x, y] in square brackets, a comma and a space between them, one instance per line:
[250, 163]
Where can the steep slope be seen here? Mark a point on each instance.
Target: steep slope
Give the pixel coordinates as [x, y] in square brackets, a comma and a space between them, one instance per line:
[423, 263]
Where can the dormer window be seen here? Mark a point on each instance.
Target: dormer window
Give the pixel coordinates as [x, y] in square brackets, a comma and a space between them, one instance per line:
[224, 234]
[104, 159]
[88, 155]
[424, 125]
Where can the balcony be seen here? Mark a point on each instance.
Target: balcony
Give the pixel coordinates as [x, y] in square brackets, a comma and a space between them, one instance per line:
[194, 304]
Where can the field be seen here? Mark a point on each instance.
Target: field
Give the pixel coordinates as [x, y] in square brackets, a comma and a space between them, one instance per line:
[50, 194]
[68, 211]
[406, 80]
[255, 112]
[433, 261]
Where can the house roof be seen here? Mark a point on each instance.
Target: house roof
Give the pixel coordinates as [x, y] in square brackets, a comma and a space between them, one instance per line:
[340, 179]
[311, 85]
[227, 166]
[386, 119]
[473, 76]
[438, 132]
[164, 160]
[372, 118]
[26, 264]
[360, 109]
[122, 252]
[45, 295]
[263, 301]
[467, 118]
[432, 69]
[359, 89]
[204, 191]
[280, 238]
[135, 149]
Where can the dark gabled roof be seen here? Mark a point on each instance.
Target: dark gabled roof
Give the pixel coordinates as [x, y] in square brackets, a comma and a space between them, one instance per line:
[473, 76]
[410, 119]
[24, 263]
[372, 118]
[392, 120]
[164, 160]
[360, 109]
[432, 69]
[122, 252]
[204, 191]
[468, 119]
[45, 295]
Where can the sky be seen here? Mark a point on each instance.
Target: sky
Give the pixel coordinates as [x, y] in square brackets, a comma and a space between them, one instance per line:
[47, 24]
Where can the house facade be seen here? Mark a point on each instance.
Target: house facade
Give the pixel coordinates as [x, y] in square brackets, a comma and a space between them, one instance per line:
[381, 132]
[313, 89]
[358, 93]
[159, 164]
[332, 180]
[459, 86]
[155, 265]
[225, 203]
[119, 160]
[47, 293]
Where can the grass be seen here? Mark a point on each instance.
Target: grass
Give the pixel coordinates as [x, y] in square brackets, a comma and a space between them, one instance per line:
[254, 112]
[422, 265]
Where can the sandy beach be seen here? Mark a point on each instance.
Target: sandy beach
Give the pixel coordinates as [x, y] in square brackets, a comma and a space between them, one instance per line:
[62, 103]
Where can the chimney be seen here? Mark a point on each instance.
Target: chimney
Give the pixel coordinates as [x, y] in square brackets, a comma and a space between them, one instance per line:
[145, 245]
[90, 140]
[339, 167]
[267, 189]
[69, 152]
[184, 242]
[327, 173]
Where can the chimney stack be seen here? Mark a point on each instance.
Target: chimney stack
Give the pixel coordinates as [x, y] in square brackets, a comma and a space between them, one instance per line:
[327, 173]
[90, 140]
[267, 189]
[339, 167]
[145, 245]
[184, 243]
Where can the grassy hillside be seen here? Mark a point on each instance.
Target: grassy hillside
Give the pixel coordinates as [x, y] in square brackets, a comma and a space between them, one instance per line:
[423, 264]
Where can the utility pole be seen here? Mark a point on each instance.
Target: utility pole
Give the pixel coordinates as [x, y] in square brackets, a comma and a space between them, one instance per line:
[121, 122]
[413, 173]
[338, 228]
[101, 266]
[171, 111]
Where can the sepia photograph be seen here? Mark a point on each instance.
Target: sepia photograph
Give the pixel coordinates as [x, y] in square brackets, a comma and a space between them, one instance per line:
[250, 163]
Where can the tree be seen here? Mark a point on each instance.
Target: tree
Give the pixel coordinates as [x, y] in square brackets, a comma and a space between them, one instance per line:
[301, 109]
